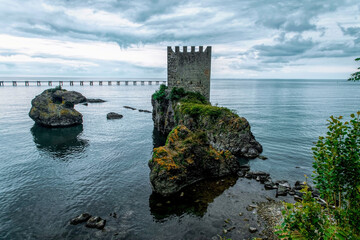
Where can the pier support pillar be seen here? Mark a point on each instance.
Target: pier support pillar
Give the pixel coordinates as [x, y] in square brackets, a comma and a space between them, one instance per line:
[38, 83]
[61, 83]
[71, 83]
[1, 83]
[126, 82]
[26, 83]
[109, 83]
[157, 82]
[91, 83]
[14, 83]
[150, 83]
[142, 83]
[134, 82]
[81, 83]
[50, 83]
[100, 83]
[118, 82]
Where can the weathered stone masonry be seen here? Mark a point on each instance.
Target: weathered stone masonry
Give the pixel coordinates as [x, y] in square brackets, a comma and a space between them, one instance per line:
[190, 70]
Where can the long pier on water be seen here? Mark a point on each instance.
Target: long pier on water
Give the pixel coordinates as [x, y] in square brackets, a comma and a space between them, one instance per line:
[81, 82]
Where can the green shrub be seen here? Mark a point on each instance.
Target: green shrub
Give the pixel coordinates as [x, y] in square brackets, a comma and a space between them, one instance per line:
[195, 110]
[160, 94]
[337, 167]
[337, 177]
[179, 94]
[356, 75]
[52, 90]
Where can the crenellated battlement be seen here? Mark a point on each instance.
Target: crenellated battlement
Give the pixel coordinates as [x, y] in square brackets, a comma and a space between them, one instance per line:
[190, 69]
[192, 49]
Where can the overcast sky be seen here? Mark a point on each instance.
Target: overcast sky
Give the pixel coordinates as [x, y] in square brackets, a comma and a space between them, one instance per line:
[116, 38]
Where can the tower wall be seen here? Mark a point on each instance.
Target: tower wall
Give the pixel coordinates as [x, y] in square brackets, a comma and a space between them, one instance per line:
[189, 69]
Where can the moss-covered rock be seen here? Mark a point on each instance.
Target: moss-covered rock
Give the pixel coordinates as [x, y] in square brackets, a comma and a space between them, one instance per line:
[55, 108]
[224, 129]
[187, 157]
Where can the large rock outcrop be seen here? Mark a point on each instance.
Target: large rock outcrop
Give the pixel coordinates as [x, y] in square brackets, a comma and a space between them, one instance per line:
[188, 157]
[225, 130]
[55, 108]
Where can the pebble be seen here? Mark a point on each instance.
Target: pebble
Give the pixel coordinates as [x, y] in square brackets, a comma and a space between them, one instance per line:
[252, 229]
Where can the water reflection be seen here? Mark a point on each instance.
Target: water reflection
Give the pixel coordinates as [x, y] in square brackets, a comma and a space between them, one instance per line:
[192, 200]
[59, 142]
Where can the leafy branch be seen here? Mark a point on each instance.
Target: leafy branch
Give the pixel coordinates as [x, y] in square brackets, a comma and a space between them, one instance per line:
[356, 75]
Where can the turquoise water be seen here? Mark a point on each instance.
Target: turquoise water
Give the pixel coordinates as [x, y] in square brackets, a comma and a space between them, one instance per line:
[48, 176]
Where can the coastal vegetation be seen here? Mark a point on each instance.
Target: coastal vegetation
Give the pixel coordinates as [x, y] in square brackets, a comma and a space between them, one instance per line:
[356, 75]
[335, 215]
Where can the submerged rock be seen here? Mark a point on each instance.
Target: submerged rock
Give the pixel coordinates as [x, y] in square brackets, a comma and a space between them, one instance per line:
[113, 115]
[80, 219]
[187, 157]
[55, 108]
[131, 108]
[145, 111]
[262, 157]
[224, 129]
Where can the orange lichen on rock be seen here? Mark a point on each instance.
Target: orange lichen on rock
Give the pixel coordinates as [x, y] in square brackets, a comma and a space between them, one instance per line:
[186, 158]
[163, 159]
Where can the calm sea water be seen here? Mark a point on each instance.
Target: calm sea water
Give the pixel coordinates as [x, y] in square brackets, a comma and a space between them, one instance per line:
[48, 176]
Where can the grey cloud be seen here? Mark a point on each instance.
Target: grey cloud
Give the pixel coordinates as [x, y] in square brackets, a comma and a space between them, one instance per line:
[218, 22]
[292, 47]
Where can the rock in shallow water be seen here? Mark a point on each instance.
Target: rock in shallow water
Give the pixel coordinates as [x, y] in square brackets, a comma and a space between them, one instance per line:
[80, 219]
[95, 100]
[96, 222]
[55, 108]
[131, 108]
[113, 115]
[145, 111]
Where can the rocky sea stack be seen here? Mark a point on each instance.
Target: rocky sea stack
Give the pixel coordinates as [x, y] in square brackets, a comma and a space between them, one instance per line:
[187, 157]
[225, 129]
[55, 108]
[204, 140]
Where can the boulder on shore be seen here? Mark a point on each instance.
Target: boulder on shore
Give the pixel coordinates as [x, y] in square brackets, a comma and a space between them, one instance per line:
[55, 108]
[187, 157]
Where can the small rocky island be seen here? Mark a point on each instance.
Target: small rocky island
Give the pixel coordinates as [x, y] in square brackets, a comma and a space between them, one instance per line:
[55, 108]
[203, 140]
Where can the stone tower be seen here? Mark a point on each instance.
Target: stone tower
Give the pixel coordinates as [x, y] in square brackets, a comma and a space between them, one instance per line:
[190, 70]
